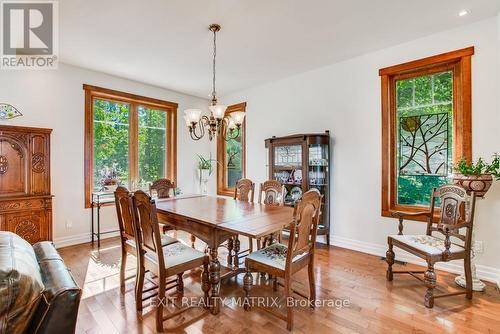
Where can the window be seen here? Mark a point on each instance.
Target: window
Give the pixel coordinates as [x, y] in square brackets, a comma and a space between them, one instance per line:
[132, 136]
[426, 127]
[231, 157]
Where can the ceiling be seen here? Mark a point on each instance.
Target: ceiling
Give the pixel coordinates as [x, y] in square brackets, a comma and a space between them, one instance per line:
[167, 43]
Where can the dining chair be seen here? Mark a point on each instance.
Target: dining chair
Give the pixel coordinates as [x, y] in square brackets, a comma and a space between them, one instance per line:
[243, 191]
[128, 240]
[283, 261]
[457, 212]
[162, 188]
[271, 192]
[164, 262]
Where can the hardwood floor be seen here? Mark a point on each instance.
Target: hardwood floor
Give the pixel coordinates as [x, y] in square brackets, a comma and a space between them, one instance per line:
[375, 306]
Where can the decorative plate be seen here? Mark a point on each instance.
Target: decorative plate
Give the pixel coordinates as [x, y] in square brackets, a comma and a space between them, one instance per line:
[8, 111]
[296, 193]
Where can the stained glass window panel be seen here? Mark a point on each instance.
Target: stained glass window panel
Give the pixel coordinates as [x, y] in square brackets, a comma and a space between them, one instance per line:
[424, 108]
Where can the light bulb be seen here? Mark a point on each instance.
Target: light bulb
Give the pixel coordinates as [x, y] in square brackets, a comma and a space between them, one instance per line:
[218, 111]
[238, 117]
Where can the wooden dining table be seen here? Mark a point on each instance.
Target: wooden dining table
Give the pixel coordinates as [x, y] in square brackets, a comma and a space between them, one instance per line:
[217, 219]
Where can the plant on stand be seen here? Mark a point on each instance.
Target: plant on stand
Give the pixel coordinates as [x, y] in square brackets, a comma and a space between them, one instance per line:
[478, 177]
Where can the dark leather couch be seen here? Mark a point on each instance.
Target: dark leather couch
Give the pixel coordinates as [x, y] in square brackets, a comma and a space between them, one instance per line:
[37, 292]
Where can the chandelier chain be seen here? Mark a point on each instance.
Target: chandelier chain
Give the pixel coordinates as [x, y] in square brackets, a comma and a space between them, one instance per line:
[214, 93]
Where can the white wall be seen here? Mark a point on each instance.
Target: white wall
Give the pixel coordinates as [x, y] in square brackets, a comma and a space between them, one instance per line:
[345, 99]
[55, 99]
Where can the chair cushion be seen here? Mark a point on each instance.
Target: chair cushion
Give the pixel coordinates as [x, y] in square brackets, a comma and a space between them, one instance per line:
[273, 255]
[165, 240]
[426, 243]
[176, 254]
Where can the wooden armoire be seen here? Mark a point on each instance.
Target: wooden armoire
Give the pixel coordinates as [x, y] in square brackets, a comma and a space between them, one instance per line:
[25, 198]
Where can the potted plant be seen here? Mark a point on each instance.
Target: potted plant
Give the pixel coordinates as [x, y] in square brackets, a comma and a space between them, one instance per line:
[109, 177]
[477, 176]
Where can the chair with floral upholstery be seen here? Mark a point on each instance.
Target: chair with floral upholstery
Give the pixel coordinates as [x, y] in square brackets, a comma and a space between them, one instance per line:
[456, 212]
[164, 262]
[283, 261]
[128, 239]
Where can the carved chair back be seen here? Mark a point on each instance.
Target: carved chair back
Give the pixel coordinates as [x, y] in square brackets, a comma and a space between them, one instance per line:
[162, 188]
[303, 230]
[125, 213]
[457, 211]
[273, 191]
[244, 190]
[148, 235]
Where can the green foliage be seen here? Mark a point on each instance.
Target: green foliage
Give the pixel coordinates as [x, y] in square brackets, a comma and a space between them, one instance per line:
[416, 190]
[204, 163]
[479, 167]
[111, 141]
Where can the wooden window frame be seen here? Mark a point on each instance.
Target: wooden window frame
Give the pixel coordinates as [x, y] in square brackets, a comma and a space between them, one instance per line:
[221, 149]
[94, 92]
[459, 62]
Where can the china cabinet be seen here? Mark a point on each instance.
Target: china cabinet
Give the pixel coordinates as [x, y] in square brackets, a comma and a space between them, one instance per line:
[302, 162]
[25, 197]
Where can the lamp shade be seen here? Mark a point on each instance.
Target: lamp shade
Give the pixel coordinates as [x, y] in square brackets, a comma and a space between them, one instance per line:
[186, 119]
[192, 115]
[238, 117]
[230, 123]
[218, 111]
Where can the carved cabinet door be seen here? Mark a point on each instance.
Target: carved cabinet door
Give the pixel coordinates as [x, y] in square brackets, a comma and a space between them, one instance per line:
[30, 225]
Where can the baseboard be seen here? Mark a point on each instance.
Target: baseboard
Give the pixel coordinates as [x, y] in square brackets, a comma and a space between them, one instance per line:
[80, 239]
[486, 273]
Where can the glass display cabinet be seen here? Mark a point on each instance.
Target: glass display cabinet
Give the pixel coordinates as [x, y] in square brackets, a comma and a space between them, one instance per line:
[302, 162]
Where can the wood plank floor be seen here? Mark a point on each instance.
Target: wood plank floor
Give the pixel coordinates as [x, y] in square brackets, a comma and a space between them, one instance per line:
[375, 306]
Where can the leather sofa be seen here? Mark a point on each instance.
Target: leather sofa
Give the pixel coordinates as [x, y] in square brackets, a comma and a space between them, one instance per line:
[37, 292]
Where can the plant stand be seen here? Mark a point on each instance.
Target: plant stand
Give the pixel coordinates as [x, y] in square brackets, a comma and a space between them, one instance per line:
[477, 284]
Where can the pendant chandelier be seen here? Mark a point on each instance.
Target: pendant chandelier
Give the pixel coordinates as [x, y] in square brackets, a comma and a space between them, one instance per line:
[218, 123]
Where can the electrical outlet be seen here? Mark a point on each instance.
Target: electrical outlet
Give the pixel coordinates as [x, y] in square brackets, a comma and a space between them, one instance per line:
[69, 224]
[479, 247]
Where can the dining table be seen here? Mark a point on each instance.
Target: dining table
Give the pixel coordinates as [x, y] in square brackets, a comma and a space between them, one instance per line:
[215, 220]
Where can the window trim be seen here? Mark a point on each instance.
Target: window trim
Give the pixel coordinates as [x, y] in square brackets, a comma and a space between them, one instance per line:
[459, 62]
[221, 147]
[93, 92]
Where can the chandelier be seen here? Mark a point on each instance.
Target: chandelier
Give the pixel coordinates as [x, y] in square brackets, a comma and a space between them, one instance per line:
[217, 123]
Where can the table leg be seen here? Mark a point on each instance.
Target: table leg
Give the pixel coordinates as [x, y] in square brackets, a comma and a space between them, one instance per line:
[98, 226]
[214, 271]
[236, 258]
[92, 221]
[230, 252]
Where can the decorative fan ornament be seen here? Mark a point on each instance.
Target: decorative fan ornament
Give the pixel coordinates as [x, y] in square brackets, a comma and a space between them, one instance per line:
[8, 111]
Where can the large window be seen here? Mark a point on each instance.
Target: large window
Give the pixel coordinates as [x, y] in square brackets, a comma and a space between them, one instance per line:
[426, 127]
[129, 136]
[231, 157]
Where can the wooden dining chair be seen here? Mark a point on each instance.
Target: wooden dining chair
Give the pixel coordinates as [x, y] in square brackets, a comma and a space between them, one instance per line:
[457, 212]
[128, 240]
[271, 192]
[283, 261]
[162, 188]
[243, 191]
[164, 262]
